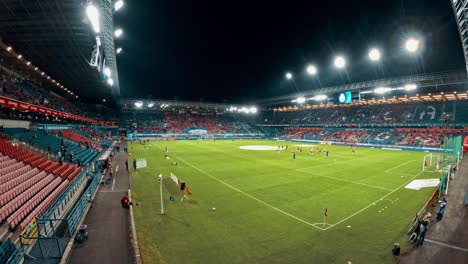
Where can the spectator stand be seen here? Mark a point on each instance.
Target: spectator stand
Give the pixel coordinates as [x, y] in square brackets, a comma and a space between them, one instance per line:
[48, 237]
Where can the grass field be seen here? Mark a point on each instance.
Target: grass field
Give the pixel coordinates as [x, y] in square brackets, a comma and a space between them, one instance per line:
[270, 208]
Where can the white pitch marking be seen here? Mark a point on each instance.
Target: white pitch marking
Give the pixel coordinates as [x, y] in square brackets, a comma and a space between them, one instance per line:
[400, 166]
[327, 164]
[116, 168]
[113, 184]
[360, 183]
[446, 245]
[381, 198]
[250, 196]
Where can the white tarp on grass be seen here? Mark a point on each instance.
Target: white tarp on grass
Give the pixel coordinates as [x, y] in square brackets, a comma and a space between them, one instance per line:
[424, 183]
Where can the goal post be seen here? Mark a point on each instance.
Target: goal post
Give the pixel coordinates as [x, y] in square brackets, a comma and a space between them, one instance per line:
[207, 137]
[431, 162]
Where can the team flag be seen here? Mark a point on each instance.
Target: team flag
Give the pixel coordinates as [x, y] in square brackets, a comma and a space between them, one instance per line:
[326, 211]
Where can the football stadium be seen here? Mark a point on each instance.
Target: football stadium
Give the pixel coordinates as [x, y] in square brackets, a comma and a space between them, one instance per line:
[207, 132]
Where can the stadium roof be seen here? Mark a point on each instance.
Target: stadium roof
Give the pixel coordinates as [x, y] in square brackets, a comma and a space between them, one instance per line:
[455, 80]
[55, 37]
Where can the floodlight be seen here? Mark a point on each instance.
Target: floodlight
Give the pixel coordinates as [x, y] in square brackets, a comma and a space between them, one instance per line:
[110, 81]
[244, 109]
[150, 105]
[289, 75]
[119, 50]
[301, 100]
[118, 32]
[28, 63]
[340, 62]
[76, 97]
[382, 90]
[320, 97]
[374, 54]
[312, 70]
[9, 48]
[19, 57]
[410, 87]
[36, 68]
[253, 110]
[93, 16]
[119, 4]
[138, 104]
[42, 73]
[412, 45]
[107, 71]
[104, 100]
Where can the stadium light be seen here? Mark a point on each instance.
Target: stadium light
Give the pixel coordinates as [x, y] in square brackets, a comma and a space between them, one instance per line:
[374, 54]
[110, 81]
[382, 90]
[150, 105]
[119, 50]
[410, 87]
[312, 70]
[320, 97]
[118, 32]
[93, 15]
[412, 45]
[19, 57]
[107, 71]
[28, 63]
[289, 75]
[253, 110]
[138, 104]
[300, 100]
[119, 4]
[36, 69]
[9, 48]
[339, 62]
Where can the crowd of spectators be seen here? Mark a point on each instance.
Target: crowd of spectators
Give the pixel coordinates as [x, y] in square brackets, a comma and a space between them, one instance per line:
[406, 113]
[417, 138]
[170, 122]
[26, 91]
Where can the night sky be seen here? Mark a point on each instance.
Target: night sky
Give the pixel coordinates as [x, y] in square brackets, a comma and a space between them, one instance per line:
[239, 51]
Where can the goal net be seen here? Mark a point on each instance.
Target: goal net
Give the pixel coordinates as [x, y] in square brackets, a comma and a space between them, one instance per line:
[207, 137]
[431, 162]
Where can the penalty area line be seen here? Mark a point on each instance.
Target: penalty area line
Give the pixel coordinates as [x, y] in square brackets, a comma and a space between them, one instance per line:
[250, 196]
[398, 166]
[381, 198]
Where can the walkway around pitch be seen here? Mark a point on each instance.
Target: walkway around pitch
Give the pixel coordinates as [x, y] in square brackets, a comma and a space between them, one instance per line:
[108, 223]
[447, 240]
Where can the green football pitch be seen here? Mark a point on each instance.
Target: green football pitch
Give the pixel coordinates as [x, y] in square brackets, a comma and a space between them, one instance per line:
[270, 208]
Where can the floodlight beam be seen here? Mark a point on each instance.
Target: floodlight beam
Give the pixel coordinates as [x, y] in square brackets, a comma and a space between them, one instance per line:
[93, 15]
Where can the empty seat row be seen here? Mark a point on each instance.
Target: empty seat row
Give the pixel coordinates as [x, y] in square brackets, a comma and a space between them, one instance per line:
[60, 169]
[16, 203]
[26, 208]
[75, 172]
[42, 208]
[15, 181]
[7, 163]
[16, 173]
[11, 168]
[12, 193]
